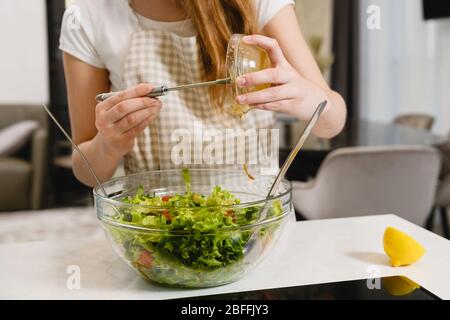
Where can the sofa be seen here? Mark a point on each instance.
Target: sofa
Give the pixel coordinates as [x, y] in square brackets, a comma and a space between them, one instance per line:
[23, 162]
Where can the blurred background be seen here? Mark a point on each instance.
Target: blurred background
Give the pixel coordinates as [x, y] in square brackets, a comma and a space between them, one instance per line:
[389, 59]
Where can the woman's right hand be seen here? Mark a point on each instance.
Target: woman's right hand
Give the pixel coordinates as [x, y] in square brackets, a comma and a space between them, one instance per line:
[122, 117]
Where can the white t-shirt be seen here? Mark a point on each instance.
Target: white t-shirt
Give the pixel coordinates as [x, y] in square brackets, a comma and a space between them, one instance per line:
[98, 32]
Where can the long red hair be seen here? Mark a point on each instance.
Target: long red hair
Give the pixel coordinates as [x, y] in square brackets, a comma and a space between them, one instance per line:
[216, 21]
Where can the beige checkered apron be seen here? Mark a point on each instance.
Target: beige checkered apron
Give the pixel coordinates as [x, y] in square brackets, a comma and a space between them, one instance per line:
[161, 57]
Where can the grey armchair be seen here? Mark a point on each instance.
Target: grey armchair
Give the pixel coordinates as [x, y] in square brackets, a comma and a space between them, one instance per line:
[442, 202]
[372, 180]
[23, 174]
[444, 148]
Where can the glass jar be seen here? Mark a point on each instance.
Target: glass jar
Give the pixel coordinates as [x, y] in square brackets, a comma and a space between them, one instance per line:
[243, 59]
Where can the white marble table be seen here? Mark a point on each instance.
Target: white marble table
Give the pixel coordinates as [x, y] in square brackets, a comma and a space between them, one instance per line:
[308, 253]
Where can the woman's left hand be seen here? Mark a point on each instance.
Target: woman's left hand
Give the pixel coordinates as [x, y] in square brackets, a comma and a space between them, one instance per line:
[290, 93]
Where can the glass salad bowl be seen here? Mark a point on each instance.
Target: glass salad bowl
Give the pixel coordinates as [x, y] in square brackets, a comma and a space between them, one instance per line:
[242, 59]
[196, 228]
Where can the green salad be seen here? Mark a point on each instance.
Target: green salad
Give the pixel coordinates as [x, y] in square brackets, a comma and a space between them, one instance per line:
[197, 241]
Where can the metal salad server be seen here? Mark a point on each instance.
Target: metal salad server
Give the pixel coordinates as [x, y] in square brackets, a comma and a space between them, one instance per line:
[164, 90]
[97, 180]
[306, 132]
[253, 241]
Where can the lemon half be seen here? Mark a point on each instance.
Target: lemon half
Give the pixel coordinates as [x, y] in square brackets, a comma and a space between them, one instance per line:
[401, 248]
[399, 286]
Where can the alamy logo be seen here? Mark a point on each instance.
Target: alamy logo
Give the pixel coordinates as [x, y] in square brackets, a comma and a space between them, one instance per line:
[201, 146]
[373, 278]
[74, 279]
[374, 17]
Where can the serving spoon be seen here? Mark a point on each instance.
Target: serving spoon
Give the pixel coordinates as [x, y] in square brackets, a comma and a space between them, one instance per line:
[86, 161]
[253, 240]
[287, 163]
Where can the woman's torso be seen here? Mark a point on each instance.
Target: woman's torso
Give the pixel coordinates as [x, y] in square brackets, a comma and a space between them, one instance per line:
[140, 50]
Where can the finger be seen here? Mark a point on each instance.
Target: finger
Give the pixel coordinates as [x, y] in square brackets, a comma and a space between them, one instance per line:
[267, 76]
[272, 94]
[134, 119]
[270, 45]
[134, 92]
[133, 132]
[121, 110]
[278, 106]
